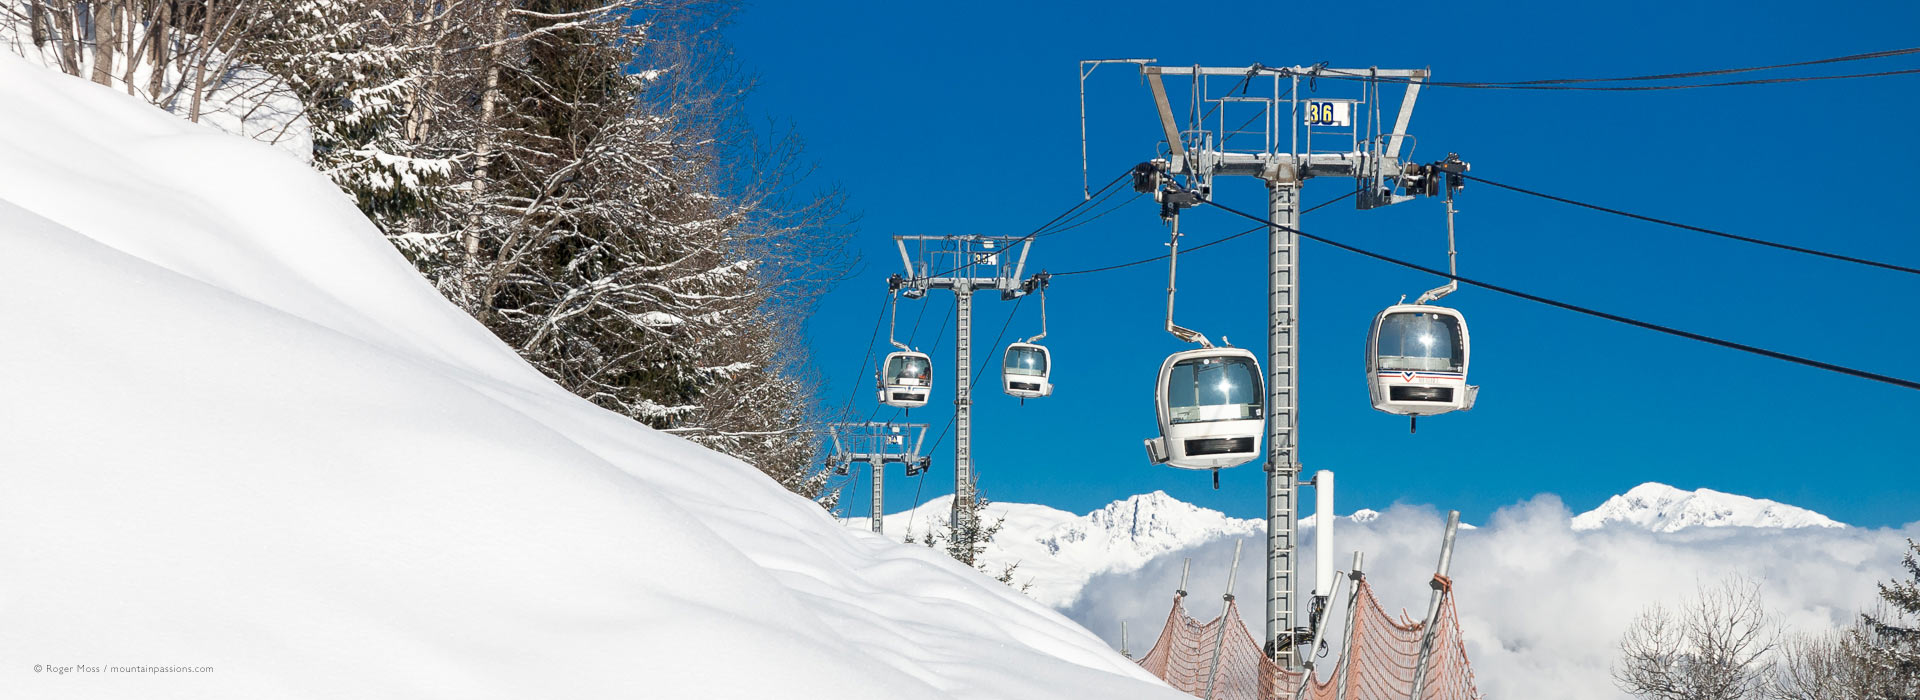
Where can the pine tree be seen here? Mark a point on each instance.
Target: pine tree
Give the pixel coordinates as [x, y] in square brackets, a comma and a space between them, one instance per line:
[968, 541]
[346, 64]
[1890, 639]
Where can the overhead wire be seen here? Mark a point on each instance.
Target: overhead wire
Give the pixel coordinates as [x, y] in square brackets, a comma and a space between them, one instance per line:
[1623, 88]
[1575, 84]
[1726, 71]
[1796, 359]
[1063, 215]
[1585, 84]
[882, 316]
[1095, 217]
[847, 406]
[1080, 217]
[1202, 246]
[1698, 229]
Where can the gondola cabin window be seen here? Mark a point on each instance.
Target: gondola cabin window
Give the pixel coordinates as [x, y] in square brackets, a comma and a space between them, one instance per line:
[1029, 361]
[1205, 389]
[1421, 342]
[909, 370]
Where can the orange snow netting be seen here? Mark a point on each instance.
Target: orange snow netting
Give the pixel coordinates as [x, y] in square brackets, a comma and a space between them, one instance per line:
[1222, 656]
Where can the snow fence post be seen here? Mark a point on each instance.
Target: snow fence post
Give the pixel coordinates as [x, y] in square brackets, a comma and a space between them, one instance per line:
[1346, 635]
[1440, 590]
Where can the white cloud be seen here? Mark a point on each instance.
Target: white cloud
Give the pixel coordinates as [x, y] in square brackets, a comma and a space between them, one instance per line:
[1542, 605]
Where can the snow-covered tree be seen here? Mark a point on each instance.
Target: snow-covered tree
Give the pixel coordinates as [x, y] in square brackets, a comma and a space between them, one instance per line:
[608, 221]
[967, 540]
[352, 66]
[1890, 637]
[579, 175]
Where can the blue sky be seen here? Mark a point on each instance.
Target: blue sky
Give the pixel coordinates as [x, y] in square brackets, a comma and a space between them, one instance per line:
[964, 118]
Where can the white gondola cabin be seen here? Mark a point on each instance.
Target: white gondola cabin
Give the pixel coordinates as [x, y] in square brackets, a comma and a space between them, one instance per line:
[1026, 370]
[1212, 409]
[1417, 361]
[906, 378]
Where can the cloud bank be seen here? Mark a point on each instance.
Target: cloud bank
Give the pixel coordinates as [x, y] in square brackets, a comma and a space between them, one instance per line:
[1542, 606]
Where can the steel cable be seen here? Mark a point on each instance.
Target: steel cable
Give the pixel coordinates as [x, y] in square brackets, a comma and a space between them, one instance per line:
[1697, 229]
[1796, 359]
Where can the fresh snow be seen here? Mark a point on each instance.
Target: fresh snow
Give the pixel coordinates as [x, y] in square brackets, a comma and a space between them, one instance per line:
[240, 432]
[1662, 508]
[245, 101]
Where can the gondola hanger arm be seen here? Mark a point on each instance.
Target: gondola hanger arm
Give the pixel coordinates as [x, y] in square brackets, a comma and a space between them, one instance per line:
[1043, 316]
[1453, 183]
[1173, 267]
[890, 322]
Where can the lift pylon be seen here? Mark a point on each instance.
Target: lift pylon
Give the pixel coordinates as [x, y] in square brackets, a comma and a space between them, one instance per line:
[1284, 125]
[964, 264]
[877, 445]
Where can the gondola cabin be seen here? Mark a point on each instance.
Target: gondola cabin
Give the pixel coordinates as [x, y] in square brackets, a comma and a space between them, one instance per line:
[1417, 360]
[1025, 371]
[906, 378]
[1212, 409]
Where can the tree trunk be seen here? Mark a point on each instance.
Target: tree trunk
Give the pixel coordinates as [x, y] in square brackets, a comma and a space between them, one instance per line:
[70, 39]
[36, 20]
[483, 158]
[157, 50]
[106, 39]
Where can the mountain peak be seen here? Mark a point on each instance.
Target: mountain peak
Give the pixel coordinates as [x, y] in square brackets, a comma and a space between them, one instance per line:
[1662, 508]
[1654, 490]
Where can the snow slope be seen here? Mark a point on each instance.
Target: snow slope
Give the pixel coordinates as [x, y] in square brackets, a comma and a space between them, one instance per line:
[1662, 508]
[244, 100]
[237, 431]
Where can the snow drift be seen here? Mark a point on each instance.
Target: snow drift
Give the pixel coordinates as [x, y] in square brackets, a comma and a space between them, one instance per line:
[238, 432]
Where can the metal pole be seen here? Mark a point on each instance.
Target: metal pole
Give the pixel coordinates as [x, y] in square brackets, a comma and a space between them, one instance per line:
[962, 517]
[1433, 605]
[879, 468]
[1283, 469]
[1322, 541]
[1346, 634]
[1220, 633]
[1320, 624]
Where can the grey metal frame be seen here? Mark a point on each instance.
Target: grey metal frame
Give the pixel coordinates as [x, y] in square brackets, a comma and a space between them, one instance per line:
[1287, 158]
[865, 442]
[959, 259]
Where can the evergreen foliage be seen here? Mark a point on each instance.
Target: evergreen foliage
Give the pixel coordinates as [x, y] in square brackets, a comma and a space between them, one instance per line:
[967, 540]
[579, 175]
[1890, 638]
[341, 59]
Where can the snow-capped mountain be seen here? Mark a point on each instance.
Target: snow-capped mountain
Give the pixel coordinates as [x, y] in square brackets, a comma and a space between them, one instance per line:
[1056, 551]
[1662, 508]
